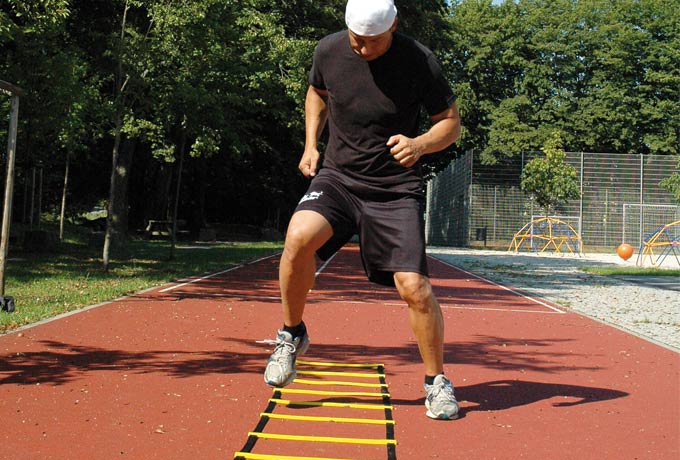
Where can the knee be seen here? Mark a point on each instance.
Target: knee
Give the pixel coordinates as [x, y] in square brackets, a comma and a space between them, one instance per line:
[297, 243]
[306, 233]
[296, 237]
[415, 289]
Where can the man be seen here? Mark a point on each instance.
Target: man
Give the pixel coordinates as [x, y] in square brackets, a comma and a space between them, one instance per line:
[368, 84]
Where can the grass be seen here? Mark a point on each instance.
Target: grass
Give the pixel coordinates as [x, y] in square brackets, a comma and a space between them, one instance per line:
[631, 271]
[72, 277]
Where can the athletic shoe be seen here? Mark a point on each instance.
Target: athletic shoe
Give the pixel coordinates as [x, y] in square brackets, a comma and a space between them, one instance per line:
[440, 400]
[280, 369]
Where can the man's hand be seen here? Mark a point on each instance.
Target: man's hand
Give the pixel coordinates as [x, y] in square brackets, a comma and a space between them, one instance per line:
[405, 150]
[309, 162]
[445, 130]
[316, 115]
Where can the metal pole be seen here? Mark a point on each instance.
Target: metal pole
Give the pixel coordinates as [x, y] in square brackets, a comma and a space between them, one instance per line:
[580, 204]
[9, 188]
[623, 240]
[495, 212]
[470, 196]
[642, 167]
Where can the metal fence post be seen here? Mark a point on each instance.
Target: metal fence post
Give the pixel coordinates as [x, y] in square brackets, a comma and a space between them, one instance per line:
[642, 174]
[580, 202]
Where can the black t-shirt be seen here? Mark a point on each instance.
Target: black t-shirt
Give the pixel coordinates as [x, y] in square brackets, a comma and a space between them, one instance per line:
[371, 101]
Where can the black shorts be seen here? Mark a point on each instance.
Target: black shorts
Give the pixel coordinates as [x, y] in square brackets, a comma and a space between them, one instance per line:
[391, 226]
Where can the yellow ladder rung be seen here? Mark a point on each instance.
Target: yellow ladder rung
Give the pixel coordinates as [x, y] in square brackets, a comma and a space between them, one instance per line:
[251, 456]
[287, 402]
[309, 418]
[346, 374]
[331, 364]
[291, 437]
[340, 383]
[367, 394]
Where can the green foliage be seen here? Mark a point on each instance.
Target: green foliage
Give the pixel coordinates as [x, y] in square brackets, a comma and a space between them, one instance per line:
[60, 111]
[226, 80]
[605, 74]
[549, 180]
[672, 183]
[207, 144]
[31, 16]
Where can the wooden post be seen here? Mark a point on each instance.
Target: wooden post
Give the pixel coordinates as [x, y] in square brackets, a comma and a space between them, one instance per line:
[14, 92]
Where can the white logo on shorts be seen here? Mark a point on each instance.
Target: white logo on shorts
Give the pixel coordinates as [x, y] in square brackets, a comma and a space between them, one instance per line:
[311, 196]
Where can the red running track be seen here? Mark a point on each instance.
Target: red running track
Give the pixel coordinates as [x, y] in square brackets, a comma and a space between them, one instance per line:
[176, 373]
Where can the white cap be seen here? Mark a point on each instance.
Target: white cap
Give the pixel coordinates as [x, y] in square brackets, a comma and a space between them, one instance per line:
[370, 17]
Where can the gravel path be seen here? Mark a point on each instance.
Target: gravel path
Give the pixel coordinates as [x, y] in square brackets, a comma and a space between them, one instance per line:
[647, 307]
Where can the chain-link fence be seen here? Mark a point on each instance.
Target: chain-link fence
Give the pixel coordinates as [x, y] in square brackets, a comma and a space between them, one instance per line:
[473, 204]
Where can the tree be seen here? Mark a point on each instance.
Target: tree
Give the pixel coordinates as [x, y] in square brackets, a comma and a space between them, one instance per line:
[549, 180]
[672, 183]
[218, 86]
[58, 108]
[485, 66]
[605, 74]
[120, 100]
[78, 123]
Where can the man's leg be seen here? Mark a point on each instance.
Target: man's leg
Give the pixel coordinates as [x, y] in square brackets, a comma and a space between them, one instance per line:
[426, 318]
[427, 323]
[307, 232]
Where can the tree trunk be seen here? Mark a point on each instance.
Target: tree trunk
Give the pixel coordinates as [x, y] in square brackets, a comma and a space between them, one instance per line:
[118, 127]
[199, 191]
[62, 213]
[9, 189]
[112, 192]
[120, 212]
[182, 145]
[31, 214]
[40, 193]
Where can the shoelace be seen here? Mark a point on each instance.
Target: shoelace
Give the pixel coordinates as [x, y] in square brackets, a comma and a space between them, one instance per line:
[281, 345]
[437, 391]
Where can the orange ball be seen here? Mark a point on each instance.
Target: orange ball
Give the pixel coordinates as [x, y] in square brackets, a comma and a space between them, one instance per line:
[625, 251]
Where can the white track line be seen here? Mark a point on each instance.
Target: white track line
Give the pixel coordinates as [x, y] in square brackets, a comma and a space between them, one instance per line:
[470, 307]
[212, 275]
[514, 310]
[532, 299]
[131, 296]
[325, 264]
[77, 311]
[196, 280]
[230, 296]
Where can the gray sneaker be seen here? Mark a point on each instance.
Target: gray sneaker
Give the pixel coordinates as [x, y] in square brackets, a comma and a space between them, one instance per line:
[440, 400]
[280, 369]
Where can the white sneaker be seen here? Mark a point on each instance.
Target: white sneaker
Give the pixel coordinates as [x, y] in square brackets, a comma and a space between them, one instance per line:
[439, 399]
[280, 369]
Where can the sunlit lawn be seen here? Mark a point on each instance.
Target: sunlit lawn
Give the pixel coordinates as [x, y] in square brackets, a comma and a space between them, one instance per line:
[632, 271]
[45, 285]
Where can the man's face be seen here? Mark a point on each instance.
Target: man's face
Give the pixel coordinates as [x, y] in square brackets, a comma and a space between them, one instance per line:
[370, 48]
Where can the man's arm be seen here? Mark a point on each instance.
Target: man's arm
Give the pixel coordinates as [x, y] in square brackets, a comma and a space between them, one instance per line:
[445, 131]
[316, 115]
